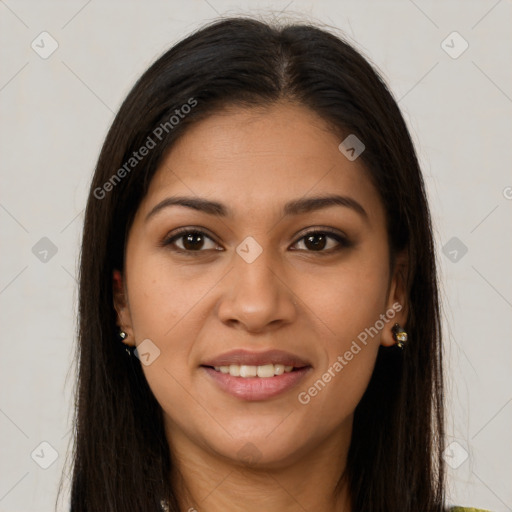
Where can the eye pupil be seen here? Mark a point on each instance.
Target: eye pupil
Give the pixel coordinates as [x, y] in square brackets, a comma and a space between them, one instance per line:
[190, 241]
[320, 241]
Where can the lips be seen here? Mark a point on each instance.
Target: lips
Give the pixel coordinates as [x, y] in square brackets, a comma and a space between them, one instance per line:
[256, 376]
[249, 358]
[256, 388]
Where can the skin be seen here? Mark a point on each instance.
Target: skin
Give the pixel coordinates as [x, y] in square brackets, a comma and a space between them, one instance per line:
[305, 301]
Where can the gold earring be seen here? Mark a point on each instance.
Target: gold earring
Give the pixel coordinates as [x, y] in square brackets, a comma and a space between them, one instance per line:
[399, 335]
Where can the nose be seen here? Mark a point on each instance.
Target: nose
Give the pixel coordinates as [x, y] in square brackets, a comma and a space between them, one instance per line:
[257, 296]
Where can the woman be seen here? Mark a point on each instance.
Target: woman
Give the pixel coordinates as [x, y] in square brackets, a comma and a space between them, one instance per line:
[259, 316]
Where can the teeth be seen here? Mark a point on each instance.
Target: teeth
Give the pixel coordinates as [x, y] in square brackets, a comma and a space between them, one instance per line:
[248, 371]
[279, 369]
[264, 371]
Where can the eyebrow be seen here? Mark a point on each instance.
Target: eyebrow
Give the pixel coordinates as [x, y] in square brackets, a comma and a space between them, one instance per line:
[295, 207]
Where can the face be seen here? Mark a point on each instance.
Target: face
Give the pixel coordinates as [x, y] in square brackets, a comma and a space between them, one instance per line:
[249, 265]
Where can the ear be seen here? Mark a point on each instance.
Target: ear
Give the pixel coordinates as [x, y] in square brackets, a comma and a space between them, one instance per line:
[397, 307]
[124, 320]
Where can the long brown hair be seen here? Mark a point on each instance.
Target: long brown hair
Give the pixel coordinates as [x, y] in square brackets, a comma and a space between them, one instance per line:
[121, 459]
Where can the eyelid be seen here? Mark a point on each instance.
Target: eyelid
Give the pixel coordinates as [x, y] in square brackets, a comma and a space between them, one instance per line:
[321, 229]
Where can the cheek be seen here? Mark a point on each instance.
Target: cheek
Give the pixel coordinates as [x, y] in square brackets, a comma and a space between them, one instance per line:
[162, 310]
[347, 304]
[338, 388]
[163, 295]
[347, 298]
[348, 353]
[165, 307]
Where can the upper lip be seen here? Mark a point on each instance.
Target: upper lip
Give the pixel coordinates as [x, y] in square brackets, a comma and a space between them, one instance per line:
[250, 358]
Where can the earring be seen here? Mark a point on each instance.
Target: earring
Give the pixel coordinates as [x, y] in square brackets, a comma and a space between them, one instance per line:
[399, 335]
[123, 336]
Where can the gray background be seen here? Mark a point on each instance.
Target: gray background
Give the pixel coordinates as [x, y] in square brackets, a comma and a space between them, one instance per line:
[55, 112]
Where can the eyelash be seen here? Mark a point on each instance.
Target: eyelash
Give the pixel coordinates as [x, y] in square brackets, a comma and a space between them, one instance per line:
[342, 241]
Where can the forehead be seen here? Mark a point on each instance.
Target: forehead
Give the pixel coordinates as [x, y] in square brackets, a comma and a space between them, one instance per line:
[253, 158]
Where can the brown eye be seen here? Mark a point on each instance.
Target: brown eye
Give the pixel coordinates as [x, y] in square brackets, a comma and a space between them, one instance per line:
[318, 241]
[315, 242]
[191, 241]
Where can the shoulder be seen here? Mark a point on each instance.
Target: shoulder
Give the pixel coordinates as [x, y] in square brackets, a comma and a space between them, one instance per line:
[466, 509]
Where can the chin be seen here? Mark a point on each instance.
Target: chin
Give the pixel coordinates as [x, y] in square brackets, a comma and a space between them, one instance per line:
[259, 452]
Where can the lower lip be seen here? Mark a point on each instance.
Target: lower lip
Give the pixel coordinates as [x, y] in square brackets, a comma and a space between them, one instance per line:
[256, 388]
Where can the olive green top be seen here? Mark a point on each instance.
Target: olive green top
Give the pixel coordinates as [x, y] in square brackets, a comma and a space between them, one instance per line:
[467, 509]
